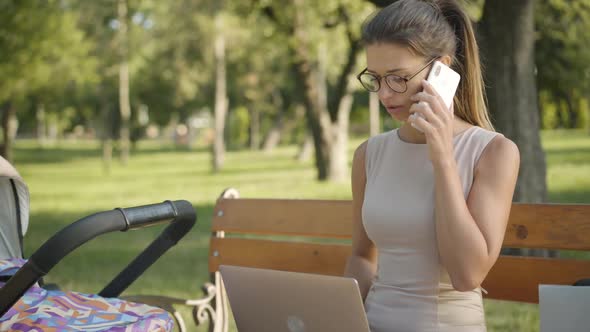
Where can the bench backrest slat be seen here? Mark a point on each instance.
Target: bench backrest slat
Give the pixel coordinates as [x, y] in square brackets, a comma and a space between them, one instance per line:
[555, 226]
[317, 218]
[317, 258]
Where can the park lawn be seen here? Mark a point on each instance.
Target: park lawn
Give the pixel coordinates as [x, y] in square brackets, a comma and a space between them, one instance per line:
[68, 181]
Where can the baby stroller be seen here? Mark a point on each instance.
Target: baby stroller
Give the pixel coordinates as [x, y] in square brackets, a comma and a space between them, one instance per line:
[24, 306]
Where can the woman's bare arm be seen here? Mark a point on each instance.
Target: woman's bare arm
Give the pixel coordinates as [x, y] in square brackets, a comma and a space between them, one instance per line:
[362, 264]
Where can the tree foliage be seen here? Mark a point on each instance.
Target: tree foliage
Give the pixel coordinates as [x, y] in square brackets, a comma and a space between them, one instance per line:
[42, 48]
[563, 58]
[61, 56]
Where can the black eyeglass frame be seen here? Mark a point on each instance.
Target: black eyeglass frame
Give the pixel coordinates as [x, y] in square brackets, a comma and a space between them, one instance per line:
[404, 79]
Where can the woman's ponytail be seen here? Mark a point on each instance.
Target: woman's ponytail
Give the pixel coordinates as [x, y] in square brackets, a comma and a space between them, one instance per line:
[470, 100]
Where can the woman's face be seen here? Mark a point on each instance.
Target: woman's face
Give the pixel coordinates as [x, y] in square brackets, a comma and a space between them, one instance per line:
[390, 58]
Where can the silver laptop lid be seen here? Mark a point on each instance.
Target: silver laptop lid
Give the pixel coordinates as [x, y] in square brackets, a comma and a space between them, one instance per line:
[564, 308]
[275, 301]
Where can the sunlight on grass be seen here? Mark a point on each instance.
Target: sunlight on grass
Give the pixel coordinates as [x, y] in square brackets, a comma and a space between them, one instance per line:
[568, 156]
[68, 181]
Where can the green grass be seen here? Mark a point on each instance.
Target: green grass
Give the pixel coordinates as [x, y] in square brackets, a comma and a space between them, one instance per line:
[68, 181]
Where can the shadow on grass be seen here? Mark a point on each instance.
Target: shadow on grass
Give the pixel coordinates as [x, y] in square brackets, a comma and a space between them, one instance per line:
[51, 155]
[245, 171]
[574, 196]
[572, 156]
[39, 155]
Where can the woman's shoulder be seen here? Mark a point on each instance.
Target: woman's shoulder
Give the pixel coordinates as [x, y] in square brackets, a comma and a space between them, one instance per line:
[376, 139]
[486, 147]
[360, 152]
[476, 139]
[500, 149]
[372, 143]
[501, 146]
[496, 141]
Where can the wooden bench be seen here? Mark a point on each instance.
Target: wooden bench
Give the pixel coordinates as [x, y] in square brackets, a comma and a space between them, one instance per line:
[314, 236]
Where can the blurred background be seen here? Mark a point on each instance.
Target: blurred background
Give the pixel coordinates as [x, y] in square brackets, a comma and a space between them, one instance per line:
[113, 103]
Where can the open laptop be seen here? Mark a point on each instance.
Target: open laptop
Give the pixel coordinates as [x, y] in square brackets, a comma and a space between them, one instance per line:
[564, 308]
[276, 301]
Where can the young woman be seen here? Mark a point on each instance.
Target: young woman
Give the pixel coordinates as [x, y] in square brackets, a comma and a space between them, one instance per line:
[431, 199]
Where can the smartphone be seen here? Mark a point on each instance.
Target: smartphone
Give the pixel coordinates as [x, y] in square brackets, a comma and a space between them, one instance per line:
[445, 81]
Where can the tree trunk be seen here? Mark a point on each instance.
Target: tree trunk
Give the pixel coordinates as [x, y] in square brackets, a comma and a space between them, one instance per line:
[53, 130]
[339, 153]
[374, 123]
[106, 134]
[273, 138]
[571, 110]
[341, 103]
[9, 128]
[283, 127]
[323, 115]
[318, 118]
[107, 154]
[254, 127]
[305, 149]
[559, 111]
[508, 39]
[220, 94]
[274, 135]
[41, 125]
[124, 103]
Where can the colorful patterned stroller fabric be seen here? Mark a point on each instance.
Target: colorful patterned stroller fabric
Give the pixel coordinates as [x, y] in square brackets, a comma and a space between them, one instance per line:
[44, 310]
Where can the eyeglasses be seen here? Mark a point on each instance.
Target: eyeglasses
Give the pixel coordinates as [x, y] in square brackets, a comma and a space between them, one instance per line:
[372, 82]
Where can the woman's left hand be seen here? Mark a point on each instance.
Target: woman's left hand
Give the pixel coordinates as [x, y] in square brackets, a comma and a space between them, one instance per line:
[436, 122]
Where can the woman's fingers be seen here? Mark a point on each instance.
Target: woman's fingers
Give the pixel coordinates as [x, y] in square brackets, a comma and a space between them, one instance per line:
[429, 89]
[419, 123]
[424, 110]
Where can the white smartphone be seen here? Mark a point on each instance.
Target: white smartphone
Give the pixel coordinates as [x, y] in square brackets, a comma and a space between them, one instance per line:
[445, 81]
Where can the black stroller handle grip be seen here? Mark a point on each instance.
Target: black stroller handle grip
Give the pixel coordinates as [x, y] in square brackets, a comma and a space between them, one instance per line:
[148, 215]
[168, 238]
[180, 213]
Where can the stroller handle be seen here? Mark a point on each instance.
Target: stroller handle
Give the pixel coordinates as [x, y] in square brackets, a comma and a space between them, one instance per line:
[180, 214]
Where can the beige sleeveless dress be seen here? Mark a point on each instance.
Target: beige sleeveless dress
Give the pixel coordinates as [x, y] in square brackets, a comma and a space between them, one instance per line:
[412, 291]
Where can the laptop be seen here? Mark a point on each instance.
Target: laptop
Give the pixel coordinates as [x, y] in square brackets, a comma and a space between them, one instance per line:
[275, 301]
[564, 308]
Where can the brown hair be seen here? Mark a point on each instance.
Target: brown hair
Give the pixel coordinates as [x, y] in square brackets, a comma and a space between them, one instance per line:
[434, 28]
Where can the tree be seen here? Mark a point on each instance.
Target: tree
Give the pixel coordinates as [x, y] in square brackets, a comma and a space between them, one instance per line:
[327, 116]
[508, 40]
[262, 74]
[138, 44]
[562, 55]
[327, 105]
[41, 47]
[221, 102]
[124, 104]
[176, 74]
